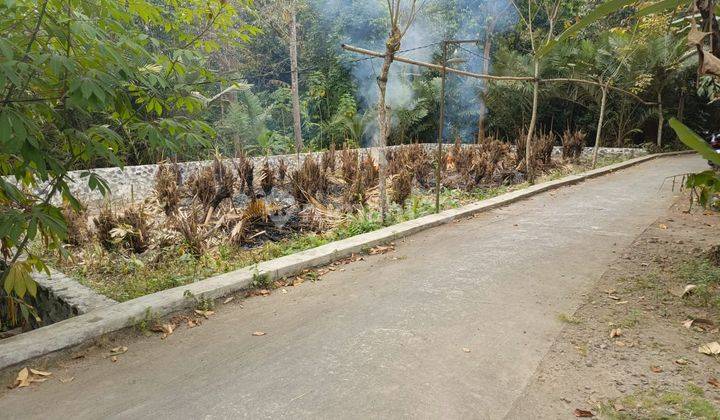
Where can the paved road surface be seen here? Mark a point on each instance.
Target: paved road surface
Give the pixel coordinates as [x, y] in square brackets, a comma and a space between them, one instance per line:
[386, 337]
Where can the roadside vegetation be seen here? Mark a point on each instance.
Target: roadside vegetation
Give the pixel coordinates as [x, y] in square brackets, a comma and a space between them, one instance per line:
[87, 84]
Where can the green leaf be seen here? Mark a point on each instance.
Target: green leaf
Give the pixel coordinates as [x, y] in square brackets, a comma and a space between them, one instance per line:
[661, 6]
[598, 13]
[693, 141]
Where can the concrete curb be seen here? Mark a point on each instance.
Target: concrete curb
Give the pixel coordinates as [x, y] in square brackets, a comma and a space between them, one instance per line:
[79, 329]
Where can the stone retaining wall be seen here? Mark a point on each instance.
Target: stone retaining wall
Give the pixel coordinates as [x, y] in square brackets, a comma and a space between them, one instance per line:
[137, 182]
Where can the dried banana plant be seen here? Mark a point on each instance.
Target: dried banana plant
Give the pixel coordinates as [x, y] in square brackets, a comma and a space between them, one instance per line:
[255, 213]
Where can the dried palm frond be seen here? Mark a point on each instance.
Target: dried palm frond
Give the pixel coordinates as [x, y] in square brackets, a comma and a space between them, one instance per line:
[167, 187]
[348, 164]
[188, 225]
[137, 238]
[282, 170]
[201, 186]
[246, 174]
[105, 222]
[401, 187]
[573, 143]
[268, 179]
[328, 159]
[356, 193]
[77, 227]
[308, 181]
[370, 172]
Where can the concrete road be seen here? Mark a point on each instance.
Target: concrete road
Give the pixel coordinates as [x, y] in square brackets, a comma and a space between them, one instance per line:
[451, 325]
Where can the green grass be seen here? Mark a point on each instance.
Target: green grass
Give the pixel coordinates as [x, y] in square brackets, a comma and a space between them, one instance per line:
[125, 277]
[690, 403]
[568, 319]
[706, 277]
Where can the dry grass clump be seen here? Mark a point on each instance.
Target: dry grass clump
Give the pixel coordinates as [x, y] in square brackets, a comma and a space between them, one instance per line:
[168, 187]
[201, 186]
[348, 164]
[572, 145]
[401, 187]
[268, 179]
[308, 181]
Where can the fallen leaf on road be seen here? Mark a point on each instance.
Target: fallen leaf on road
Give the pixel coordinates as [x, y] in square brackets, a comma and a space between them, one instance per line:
[466, 350]
[613, 297]
[23, 379]
[264, 292]
[688, 289]
[205, 314]
[711, 349]
[118, 350]
[701, 324]
[618, 407]
[583, 413]
[382, 249]
[67, 380]
[228, 300]
[165, 329]
[258, 333]
[620, 343]
[39, 372]
[681, 362]
[298, 281]
[114, 359]
[284, 291]
[616, 332]
[663, 226]
[656, 369]
[714, 382]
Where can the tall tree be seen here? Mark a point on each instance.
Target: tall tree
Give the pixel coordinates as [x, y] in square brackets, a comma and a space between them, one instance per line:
[401, 15]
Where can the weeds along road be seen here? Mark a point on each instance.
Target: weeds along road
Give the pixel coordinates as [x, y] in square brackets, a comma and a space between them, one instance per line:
[453, 324]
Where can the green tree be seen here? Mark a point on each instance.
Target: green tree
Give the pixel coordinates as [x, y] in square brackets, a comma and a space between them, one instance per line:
[81, 83]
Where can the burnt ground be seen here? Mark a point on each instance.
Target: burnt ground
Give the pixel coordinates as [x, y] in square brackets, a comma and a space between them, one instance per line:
[651, 368]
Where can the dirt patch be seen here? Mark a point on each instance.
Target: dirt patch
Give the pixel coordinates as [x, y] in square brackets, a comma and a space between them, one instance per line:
[630, 350]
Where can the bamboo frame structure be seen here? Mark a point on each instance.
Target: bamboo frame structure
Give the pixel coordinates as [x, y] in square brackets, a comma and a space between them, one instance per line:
[444, 70]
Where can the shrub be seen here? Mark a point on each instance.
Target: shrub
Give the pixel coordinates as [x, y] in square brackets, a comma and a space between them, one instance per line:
[573, 143]
[402, 187]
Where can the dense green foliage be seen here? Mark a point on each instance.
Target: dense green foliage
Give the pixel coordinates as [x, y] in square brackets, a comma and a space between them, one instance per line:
[87, 83]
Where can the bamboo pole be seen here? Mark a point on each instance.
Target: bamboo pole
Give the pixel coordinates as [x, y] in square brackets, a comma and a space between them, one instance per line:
[491, 77]
[441, 126]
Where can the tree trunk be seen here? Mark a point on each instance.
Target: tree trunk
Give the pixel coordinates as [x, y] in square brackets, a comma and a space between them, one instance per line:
[601, 119]
[392, 45]
[533, 121]
[441, 128]
[294, 82]
[483, 86]
[661, 120]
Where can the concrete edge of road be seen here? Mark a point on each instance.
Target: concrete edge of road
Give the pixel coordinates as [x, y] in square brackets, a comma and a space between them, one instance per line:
[80, 329]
